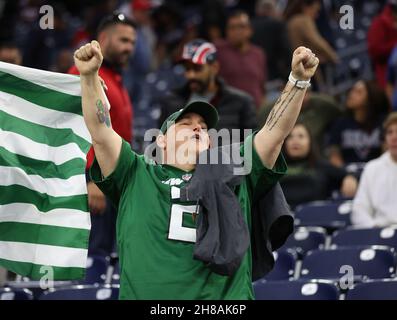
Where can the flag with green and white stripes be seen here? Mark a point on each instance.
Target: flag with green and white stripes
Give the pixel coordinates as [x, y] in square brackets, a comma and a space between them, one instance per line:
[44, 218]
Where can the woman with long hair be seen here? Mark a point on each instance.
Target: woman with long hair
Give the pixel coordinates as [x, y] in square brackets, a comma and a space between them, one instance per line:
[309, 177]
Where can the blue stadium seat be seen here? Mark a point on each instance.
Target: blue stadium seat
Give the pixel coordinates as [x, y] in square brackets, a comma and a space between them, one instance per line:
[327, 214]
[374, 290]
[373, 262]
[365, 237]
[96, 270]
[305, 239]
[284, 266]
[15, 294]
[295, 290]
[80, 292]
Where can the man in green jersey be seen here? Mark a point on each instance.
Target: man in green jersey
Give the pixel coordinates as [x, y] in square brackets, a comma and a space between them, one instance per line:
[155, 230]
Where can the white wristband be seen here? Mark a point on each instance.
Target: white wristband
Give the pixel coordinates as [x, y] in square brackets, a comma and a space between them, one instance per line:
[301, 84]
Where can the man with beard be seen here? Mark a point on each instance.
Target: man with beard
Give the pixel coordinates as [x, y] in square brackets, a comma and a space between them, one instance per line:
[236, 109]
[117, 36]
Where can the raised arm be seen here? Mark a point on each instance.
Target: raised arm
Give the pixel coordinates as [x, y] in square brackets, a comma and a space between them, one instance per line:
[106, 142]
[269, 140]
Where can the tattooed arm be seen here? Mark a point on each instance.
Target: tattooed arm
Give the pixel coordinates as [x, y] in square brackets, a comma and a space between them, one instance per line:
[106, 142]
[269, 140]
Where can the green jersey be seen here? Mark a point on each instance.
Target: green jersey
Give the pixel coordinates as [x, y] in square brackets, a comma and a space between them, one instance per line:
[156, 231]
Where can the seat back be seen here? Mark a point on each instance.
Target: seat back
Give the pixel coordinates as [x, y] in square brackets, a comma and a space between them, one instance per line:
[374, 290]
[284, 266]
[305, 239]
[373, 262]
[334, 215]
[295, 290]
[365, 237]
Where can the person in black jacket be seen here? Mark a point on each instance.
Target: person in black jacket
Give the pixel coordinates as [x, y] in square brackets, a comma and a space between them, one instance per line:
[310, 178]
[236, 109]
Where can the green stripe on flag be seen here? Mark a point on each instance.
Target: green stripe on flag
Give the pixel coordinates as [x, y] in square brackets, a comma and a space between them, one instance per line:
[37, 272]
[42, 96]
[41, 134]
[45, 169]
[44, 234]
[43, 202]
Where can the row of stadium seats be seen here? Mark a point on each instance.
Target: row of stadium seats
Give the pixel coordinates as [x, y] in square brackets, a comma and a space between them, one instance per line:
[370, 262]
[385, 289]
[305, 239]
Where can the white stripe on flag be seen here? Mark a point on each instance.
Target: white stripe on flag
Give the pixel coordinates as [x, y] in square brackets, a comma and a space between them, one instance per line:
[28, 213]
[31, 112]
[55, 187]
[66, 83]
[42, 254]
[23, 146]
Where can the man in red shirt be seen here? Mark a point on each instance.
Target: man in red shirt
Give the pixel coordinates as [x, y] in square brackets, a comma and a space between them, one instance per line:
[382, 37]
[117, 36]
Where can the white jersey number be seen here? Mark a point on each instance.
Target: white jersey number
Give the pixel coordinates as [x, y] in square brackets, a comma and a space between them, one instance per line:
[176, 230]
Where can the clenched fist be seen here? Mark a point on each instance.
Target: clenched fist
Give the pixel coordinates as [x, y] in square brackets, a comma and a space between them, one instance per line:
[88, 58]
[304, 63]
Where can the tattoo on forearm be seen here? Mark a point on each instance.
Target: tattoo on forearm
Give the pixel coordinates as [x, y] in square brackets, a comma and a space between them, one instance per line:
[274, 110]
[103, 113]
[280, 106]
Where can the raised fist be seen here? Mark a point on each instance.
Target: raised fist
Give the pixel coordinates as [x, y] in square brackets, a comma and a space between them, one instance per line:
[88, 58]
[304, 63]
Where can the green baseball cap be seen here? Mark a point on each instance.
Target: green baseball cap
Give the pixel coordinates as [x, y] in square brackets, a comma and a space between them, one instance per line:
[202, 108]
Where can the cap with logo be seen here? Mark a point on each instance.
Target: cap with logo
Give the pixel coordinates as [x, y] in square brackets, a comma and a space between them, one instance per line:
[202, 108]
[198, 51]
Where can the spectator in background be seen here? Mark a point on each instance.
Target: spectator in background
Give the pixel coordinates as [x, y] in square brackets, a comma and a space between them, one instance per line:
[376, 202]
[10, 53]
[382, 37]
[391, 87]
[270, 33]
[357, 137]
[310, 178]
[236, 109]
[116, 36]
[300, 16]
[242, 64]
